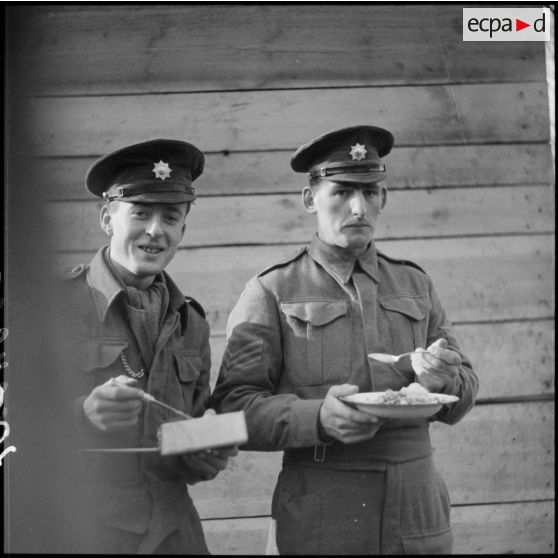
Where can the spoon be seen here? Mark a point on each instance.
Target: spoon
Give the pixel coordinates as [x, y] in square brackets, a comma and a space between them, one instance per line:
[384, 357]
[150, 399]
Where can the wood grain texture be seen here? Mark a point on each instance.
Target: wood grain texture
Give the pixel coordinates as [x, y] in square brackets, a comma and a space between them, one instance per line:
[269, 172]
[525, 528]
[190, 48]
[514, 359]
[282, 219]
[511, 359]
[477, 279]
[262, 120]
[497, 453]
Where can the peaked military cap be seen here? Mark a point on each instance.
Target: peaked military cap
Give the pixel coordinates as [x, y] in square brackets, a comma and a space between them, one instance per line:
[155, 171]
[347, 155]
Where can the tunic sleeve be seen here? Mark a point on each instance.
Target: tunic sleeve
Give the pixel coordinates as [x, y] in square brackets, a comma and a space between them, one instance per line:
[439, 326]
[251, 371]
[202, 390]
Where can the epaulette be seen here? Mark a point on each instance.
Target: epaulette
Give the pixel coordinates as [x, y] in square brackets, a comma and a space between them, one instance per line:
[196, 305]
[70, 271]
[284, 262]
[404, 262]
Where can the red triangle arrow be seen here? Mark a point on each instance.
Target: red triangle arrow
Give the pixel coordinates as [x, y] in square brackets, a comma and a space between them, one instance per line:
[519, 25]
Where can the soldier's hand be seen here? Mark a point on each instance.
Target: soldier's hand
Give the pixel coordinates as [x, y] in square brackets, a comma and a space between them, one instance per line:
[207, 464]
[438, 369]
[114, 405]
[344, 423]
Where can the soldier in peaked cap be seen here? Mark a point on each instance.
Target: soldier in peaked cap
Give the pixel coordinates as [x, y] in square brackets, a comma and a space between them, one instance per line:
[298, 340]
[132, 331]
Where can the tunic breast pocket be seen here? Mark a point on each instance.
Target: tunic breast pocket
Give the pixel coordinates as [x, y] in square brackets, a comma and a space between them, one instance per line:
[99, 358]
[188, 368]
[317, 342]
[404, 321]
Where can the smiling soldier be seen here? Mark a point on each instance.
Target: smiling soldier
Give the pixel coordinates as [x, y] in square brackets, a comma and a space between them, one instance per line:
[129, 321]
[298, 340]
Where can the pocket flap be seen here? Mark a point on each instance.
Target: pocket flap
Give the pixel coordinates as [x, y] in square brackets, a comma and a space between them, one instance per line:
[316, 313]
[189, 366]
[414, 307]
[96, 354]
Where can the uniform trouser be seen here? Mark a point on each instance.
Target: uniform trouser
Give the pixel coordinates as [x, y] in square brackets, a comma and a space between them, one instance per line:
[399, 508]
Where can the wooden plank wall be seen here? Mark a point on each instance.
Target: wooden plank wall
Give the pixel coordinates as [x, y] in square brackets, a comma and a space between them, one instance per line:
[471, 199]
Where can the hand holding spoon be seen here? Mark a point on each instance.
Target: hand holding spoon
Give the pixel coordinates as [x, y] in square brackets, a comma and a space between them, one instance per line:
[387, 358]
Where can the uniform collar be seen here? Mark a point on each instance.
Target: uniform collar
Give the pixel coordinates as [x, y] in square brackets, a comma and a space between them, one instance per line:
[339, 263]
[107, 288]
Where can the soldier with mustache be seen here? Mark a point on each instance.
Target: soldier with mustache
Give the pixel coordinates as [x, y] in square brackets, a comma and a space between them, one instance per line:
[298, 340]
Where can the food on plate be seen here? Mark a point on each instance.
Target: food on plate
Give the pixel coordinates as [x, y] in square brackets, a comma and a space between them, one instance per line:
[413, 394]
[412, 401]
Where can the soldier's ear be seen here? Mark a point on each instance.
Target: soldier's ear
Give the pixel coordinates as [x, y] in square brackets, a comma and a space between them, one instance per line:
[308, 199]
[384, 197]
[106, 220]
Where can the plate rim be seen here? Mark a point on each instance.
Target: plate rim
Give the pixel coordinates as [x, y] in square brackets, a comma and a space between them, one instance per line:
[396, 405]
[400, 412]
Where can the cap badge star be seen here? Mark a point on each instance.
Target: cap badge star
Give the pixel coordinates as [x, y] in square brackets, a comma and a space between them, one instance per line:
[358, 152]
[161, 170]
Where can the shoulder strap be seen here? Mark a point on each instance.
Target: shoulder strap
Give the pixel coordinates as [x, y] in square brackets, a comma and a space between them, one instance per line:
[284, 262]
[403, 262]
[196, 305]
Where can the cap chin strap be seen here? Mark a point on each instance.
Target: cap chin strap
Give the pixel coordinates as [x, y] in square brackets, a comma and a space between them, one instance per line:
[117, 192]
[342, 168]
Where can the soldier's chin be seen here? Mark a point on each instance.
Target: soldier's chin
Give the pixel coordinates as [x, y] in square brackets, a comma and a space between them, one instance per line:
[148, 270]
[358, 241]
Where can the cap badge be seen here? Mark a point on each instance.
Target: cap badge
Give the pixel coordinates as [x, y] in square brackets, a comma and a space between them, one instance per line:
[161, 170]
[358, 152]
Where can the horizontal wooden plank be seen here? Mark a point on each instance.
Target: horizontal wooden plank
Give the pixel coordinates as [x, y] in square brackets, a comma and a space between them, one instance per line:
[477, 279]
[265, 219]
[512, 458]
[168, 48]
[526, 528]
[520, 352]
[270, 172]
[513, 359]
[497, 453]
[261, 120]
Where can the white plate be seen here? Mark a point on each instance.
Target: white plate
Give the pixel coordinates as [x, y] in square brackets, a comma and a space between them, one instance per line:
[370, 402]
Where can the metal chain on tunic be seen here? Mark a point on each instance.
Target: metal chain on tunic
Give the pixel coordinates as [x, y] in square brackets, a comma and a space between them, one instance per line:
[128, 368]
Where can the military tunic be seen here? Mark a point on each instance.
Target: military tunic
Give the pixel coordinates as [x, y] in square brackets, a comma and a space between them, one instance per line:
[140, 497]
[304, 325]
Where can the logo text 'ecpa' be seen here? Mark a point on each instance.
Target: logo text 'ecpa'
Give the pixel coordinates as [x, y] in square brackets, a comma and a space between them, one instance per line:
[506, 24]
